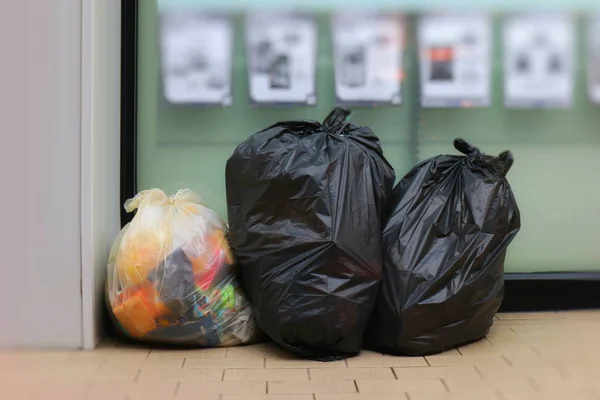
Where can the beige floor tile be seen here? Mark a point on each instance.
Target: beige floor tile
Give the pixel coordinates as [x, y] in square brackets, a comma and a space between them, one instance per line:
[580, 372]
[545, 359]
[262, 350]
[350, 374]
[586, 315]
[189, 375]
[107, 353]
[512, 323]
[529, 315]
[372, 359]
[210, 388]
[450, 360]
[192, 396]
[485, 348]
[33, 363]
[267, 397]
[309, 387]
[542, 373]
[502, 335]
[249, 375]
[16, 391]
[538, 332]
[166, 363]
[37, 355]
[461, 385]
[48, 374]
[464, 371]
[222, 363]
[294, 362]
[195, 353]
[521, 349]
[450, 352]
[476, 348]
[507, 394]
[472, 394]
[393, 386]
[570, 393]
[362, 396]
[116, 375]
[158, 396]
[36, 391]
[122, 391]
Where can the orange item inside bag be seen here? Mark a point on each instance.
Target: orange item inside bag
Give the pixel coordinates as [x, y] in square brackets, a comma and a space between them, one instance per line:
[138, 259]
[224, 245]
[216, 254]
[138, 310]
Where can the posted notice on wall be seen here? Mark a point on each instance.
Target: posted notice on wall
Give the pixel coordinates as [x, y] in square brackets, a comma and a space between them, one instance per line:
[538, 60]
[282, 52]
[593, 46]
[368, 58]
[196, 57]
[455, 60]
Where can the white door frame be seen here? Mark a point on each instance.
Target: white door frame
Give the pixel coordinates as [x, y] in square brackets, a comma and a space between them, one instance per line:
[100, 154]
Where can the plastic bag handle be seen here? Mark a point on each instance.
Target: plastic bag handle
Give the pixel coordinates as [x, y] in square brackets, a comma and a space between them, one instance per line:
[336, 117]
[155, 196]
[186, 196]
[464, 147]
[159, 198]
[507, 160]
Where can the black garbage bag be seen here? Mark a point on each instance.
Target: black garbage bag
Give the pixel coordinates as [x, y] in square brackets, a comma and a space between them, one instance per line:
[305, 204]
[450, 221]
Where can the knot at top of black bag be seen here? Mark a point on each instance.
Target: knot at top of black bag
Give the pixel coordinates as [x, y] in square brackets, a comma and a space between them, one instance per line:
[336, 120]
[501, 164]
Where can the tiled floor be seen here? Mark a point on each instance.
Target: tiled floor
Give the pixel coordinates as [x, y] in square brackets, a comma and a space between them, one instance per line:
[525, 357]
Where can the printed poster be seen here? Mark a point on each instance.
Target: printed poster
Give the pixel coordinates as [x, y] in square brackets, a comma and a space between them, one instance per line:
[455, 60]
[538, 61]
[196, 57]
[368, 58]
[593, 45]
[282, 52]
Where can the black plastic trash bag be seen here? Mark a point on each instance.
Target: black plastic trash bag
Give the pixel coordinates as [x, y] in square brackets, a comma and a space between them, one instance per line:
[306, 203]
[450, 222]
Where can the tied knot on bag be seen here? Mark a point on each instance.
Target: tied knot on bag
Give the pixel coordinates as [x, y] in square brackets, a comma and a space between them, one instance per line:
[337, 120]
[157, 197]
[501, 163]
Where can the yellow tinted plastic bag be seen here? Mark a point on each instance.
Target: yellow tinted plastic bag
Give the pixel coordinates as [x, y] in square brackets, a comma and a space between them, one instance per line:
[171, 275]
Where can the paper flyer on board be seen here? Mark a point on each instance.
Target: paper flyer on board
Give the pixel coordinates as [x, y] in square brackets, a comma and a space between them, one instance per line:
[455, 60]
[368, 58]
[282, 52]
[593, 46]
[196, 57]
[538, 61]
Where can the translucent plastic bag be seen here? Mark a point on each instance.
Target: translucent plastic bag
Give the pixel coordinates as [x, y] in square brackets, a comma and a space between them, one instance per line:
[171, 275]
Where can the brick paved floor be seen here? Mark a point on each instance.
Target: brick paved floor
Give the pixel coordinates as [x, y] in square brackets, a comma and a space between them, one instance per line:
[525, 357]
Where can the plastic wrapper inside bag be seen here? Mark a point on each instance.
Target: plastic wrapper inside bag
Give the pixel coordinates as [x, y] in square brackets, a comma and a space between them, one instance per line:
[451, 220]
[171, 277]
[305, 205]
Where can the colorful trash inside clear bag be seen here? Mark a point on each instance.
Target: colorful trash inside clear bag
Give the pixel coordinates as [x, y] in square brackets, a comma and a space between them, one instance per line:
[171, 275]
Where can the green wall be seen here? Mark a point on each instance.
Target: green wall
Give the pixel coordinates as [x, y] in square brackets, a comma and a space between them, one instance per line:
[556, 176]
